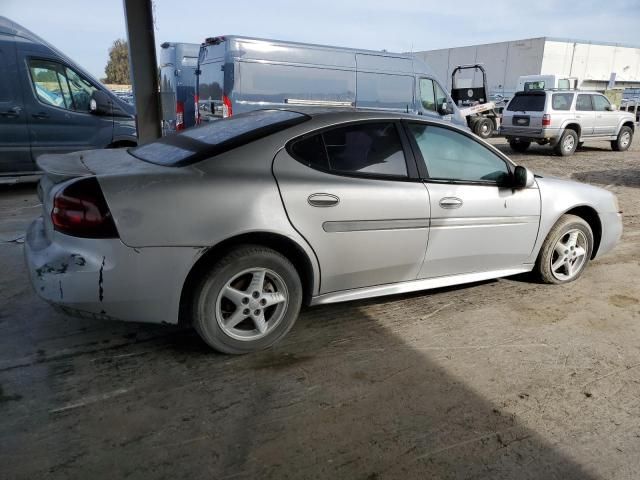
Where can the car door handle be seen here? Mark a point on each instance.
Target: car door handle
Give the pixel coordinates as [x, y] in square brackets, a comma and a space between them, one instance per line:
[13, 112]
[450, 202]
[40, 115]
[323, 200]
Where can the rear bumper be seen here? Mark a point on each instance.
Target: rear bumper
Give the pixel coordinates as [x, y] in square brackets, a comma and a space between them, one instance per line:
[105, 279]
[533, 133]
[611, 232]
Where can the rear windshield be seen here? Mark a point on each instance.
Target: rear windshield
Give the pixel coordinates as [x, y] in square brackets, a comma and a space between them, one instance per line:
[216, 137]
[527, 103]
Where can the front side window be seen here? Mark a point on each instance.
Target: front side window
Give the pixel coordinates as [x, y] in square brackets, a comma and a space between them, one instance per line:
[562, 101]
[441, 97]
[426, 94]
[583, 103]
[452, 156]
[368, 149]
[600, 103]
[60, 86]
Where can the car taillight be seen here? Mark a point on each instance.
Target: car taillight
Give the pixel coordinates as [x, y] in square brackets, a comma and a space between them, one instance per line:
[179, 116]
[546, 120]
[227, 111]
[197, 110]
[80, 210]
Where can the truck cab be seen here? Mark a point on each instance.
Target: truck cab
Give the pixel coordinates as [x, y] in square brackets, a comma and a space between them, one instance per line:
[48, 104]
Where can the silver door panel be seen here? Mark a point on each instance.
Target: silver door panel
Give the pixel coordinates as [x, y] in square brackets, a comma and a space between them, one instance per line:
[375, 234]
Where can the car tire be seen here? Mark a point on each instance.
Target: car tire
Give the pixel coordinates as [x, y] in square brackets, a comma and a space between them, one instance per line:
[236, 302]
[566, 251]
[519, 145]
[483, 128]
[567, 144]
[623, 142]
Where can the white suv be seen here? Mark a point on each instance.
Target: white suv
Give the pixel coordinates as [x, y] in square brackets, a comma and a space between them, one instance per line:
[565, 120]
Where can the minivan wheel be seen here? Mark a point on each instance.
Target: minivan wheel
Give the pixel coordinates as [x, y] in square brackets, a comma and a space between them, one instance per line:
[567, 144]
[483, 128]
[623, 142]
[566, 251]
[519, 145]
[248, 301]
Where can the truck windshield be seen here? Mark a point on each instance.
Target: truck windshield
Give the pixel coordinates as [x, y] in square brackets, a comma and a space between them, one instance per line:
[216, 137]
[527, 103]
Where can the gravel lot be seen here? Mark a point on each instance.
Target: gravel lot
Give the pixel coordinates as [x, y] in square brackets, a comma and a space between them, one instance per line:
[502, 379]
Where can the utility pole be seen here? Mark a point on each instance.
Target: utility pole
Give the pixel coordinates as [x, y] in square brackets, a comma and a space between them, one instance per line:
[144, 68]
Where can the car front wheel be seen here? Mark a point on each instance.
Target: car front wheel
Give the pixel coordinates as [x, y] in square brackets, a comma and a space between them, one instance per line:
[566, 251]
[248, 301]
[623, 142]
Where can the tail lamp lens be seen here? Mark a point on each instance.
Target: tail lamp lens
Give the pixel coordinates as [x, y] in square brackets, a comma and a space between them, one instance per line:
[80, 210]
[546, 120]
[227, 110]
[179, 115]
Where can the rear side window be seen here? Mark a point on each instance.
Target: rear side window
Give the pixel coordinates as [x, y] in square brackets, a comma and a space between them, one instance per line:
[527, 103]
[583, 103]
[216, 137]
[368, 149]
[561, 101]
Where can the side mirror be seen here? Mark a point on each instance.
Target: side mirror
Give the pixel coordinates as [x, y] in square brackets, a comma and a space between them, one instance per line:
[445, 109]
[522, 177]
[100, 103]
[612, 107]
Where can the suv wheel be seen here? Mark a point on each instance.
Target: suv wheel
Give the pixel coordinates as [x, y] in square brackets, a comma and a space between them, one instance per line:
[519, 145]
[567, 144]
[248, 301]
[483, 128]
[623, 142]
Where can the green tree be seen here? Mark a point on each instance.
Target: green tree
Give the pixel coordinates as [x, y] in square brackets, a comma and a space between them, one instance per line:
[117, 69]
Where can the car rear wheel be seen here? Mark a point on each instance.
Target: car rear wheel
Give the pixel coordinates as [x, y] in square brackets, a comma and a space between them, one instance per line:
[566, 251]
[567, 144]
[519, 145]
[248, 301]
[483, 128]
[623, 142]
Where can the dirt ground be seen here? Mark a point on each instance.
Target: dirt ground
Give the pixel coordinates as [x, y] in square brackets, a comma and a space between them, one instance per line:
[505, 379]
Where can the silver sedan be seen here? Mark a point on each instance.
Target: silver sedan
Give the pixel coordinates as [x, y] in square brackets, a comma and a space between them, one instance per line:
[232, 226]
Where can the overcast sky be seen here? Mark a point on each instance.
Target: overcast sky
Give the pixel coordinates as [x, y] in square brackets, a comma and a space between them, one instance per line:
[85, 29]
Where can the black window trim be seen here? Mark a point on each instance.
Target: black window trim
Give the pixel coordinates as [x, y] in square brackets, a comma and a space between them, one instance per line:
[410, 161]
[64, 65]
[422, 166]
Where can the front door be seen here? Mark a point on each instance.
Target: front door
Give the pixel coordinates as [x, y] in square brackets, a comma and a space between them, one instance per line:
[477, 225]
[585, 114]
[606, 121]
[15, 152]
[353, 196]
[57, 105]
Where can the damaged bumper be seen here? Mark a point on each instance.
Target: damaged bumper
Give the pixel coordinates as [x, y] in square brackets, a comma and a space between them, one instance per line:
[104, 278]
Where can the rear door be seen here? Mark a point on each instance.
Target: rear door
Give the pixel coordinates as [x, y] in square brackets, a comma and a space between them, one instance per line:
[606, 121]
[524, 112]
[57, 106]
[478, 222]
[353, 193]
[15, 152]
[585, 114]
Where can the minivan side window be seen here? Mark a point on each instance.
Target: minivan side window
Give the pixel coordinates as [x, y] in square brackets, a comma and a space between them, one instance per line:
[452, 156]
[600, 103]
[369, 149]
[60, 86]
[583, 104]
[427, 96]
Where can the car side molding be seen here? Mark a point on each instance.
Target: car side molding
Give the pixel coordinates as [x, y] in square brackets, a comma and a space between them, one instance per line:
[416, 285]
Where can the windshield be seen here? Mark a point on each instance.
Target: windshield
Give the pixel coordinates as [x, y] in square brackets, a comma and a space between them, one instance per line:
[527, 103]
[216, 137]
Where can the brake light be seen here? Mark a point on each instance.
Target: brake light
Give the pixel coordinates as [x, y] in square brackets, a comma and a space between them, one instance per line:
[196, 110]
[80, 210]
[227, 111]
[546, 120]
[179, 115]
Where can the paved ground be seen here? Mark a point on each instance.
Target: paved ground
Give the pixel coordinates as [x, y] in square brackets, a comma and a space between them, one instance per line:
[504, 379]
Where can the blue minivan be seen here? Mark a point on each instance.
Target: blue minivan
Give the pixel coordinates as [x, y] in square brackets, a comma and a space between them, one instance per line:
[48, 104]
[237, 74]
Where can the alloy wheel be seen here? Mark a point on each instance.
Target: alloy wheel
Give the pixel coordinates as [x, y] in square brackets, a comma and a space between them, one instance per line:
[570, 255]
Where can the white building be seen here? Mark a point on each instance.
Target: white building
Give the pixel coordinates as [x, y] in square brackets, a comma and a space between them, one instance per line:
[591, 62]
